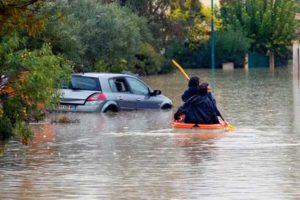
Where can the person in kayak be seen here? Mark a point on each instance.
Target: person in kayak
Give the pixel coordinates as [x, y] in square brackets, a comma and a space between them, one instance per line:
[192, 88]
[199, 109]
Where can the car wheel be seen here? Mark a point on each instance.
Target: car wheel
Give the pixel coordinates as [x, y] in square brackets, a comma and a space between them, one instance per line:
[111, 109]
[166, 107]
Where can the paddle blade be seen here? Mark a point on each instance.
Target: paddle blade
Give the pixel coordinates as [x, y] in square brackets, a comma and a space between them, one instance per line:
[230, 127]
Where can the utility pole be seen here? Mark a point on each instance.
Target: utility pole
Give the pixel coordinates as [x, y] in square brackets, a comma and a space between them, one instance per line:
[212, 44]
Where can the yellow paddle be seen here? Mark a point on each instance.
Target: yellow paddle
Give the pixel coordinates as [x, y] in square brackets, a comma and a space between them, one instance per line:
[181, 70]
[229, 126]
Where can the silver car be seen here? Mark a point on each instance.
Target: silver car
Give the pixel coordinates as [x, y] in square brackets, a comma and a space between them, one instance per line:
[103, 92]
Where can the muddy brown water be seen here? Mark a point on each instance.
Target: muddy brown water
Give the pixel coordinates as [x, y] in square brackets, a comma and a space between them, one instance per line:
[137, 155]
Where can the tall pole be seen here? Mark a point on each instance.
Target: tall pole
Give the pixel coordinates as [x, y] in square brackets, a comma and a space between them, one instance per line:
[212, 44]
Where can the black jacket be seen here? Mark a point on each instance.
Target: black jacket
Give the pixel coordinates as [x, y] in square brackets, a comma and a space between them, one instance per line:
[191, 91]
[199, 110]
[188, 93]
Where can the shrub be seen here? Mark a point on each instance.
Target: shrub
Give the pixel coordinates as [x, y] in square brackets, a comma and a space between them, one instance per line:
[5, 128]
[231, 46]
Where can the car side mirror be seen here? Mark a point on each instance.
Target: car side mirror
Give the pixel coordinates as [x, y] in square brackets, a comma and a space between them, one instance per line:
[155, 93]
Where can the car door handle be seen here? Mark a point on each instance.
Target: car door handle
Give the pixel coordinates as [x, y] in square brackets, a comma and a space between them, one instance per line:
[138, 99]
[120, 98]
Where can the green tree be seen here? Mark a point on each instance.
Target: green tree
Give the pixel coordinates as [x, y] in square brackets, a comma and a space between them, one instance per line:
[187, 18]
[227, 49]
[156, 13]
[190, 43]
[298, 5]
[33, 77]
[20, 14]
[97, 36]
[29, 77]
[269, 24]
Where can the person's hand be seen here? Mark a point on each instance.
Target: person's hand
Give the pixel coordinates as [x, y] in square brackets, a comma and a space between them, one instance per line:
[226, 123]
[176, 116]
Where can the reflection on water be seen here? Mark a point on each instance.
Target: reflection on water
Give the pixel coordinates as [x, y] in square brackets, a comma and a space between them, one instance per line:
[186, 139]
[137, 155]
[296, 94]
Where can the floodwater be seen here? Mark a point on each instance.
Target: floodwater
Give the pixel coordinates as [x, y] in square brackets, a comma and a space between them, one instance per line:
[137, 155]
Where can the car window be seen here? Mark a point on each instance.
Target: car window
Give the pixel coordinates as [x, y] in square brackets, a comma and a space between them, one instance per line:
[118, 85]
[112, 85]
[137, 87]
[85, 83]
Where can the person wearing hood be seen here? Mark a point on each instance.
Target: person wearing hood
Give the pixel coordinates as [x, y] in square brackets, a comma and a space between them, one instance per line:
[192, 89]
[193, 86]
[200, 108]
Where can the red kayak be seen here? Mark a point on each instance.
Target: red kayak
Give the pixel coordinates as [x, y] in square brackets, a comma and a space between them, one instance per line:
[186, 134]
[180, 124]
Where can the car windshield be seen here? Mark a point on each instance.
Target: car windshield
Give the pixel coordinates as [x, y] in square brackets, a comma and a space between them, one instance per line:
[85, 83]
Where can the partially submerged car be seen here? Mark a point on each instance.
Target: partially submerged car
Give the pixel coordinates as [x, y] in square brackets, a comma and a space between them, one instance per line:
[103, 92]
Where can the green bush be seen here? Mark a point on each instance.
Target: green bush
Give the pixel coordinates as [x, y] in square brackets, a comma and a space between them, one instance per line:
[14, 109]
[115, 65]
[196, 57]
[34, 76]
[99, 37]
[23, 132]
[148, 61]
[231, 46]
[5, 128]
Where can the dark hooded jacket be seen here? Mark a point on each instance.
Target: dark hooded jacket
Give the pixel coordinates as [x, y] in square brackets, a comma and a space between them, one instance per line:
[193, 91]
[188, 93]
[199, 109]
[192, 88]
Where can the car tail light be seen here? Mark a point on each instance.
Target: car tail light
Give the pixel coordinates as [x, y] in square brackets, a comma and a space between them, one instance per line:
[97, 97]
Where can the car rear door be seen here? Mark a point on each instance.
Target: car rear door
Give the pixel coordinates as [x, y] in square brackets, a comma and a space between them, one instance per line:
[141, 94]
[122, 94]
[80, 89]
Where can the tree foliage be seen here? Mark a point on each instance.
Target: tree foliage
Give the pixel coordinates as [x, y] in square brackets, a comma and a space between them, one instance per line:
[98, 36]
[231, 46]
[21, 14]
[155, 12]
[268, 23]
[187, 19]
[297, 5]
[33, 77]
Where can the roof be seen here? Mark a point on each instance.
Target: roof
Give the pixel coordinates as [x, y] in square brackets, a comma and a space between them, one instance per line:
[103, 75]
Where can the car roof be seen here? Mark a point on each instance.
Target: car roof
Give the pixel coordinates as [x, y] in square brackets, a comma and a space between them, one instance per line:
[102, 75]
